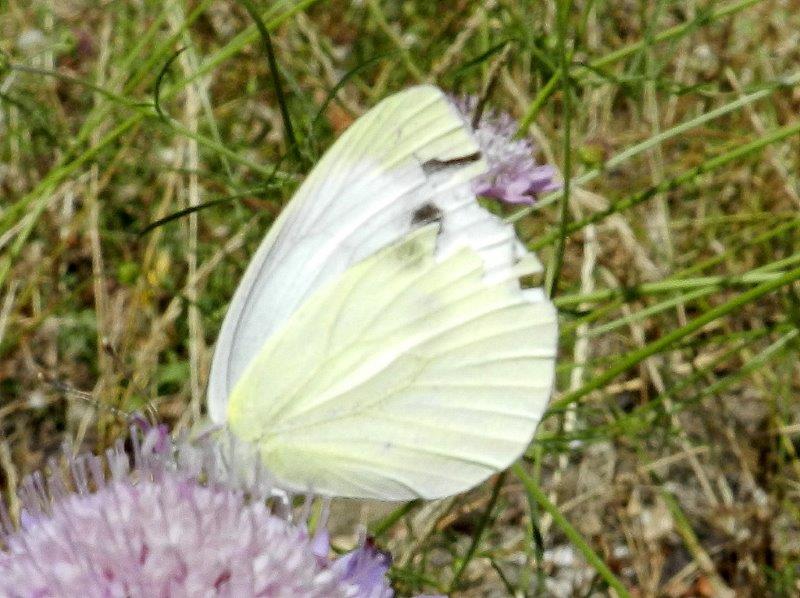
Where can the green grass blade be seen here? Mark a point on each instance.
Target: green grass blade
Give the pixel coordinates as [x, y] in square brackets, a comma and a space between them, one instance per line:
[537, 495]
[635, 357]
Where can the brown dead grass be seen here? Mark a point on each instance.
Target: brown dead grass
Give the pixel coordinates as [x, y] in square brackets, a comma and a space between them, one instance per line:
[682, 490]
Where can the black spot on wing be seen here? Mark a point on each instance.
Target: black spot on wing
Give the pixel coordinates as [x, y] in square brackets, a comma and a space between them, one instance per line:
[426, 213]
[433, 166]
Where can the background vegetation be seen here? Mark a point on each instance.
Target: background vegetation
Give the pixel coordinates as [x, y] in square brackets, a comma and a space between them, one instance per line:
[667, 465]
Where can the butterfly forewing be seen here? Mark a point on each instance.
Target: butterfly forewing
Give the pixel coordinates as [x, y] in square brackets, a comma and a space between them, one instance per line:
[361, 197]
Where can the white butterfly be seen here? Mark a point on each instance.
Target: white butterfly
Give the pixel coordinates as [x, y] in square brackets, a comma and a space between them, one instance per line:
[379, 344]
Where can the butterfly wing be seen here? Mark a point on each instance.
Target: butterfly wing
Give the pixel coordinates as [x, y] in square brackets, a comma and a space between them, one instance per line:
[372, 187]
[410, 375]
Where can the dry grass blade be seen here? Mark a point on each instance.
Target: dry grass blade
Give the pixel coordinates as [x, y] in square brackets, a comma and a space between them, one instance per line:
[670, 463]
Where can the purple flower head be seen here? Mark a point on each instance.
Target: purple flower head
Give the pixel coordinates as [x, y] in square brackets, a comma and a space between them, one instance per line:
[513, 176]
[169, 526]
[366, 568]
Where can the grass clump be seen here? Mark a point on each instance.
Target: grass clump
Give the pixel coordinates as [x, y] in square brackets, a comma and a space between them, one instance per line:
[668, 464]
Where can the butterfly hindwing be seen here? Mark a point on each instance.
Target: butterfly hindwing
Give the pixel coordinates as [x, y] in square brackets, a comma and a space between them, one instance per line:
[406, 376]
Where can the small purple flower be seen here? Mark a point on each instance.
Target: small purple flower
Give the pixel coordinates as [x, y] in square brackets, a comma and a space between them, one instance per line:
[513, 176]
[168, 526]
[366, 568]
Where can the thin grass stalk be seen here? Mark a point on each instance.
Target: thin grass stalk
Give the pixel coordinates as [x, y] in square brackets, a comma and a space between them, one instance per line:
[635, 357]
[537, 495]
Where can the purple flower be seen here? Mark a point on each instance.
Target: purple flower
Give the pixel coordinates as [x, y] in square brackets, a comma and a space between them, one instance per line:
[513, 176]
[366, 568]
[168, 526]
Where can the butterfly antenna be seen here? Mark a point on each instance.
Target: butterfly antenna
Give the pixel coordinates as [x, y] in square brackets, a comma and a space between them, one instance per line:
[491, 83]
[71, 392]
